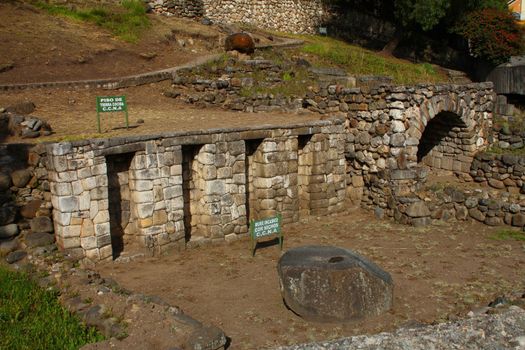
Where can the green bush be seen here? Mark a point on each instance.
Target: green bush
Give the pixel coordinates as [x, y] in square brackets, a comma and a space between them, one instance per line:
[32, 318]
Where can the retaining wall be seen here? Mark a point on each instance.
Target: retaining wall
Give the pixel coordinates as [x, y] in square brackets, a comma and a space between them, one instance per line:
[191, 188]
[296, 16]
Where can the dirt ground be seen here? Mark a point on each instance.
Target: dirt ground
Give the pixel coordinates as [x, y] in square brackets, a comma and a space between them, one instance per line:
[50, 48]
[439, 272]
[72, 113]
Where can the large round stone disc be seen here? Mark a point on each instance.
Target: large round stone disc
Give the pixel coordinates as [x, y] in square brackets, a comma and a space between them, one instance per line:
[330, 284]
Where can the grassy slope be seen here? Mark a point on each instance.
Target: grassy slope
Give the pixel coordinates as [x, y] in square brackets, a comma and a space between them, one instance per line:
[127, 21]
[356, 60]
[31, 318]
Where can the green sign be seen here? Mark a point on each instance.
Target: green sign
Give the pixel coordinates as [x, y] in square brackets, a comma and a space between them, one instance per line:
[266, 228]
[107, 104]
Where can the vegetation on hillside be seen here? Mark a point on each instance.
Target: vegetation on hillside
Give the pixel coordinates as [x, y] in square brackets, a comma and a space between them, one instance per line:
[493, 35]
[358, 61]
[443, 20]
[32, 318]
[127, 21]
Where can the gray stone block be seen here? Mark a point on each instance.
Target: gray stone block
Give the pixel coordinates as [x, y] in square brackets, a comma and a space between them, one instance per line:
[330, 284]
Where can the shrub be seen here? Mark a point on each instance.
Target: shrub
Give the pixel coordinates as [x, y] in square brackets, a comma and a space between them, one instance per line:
[493, 35]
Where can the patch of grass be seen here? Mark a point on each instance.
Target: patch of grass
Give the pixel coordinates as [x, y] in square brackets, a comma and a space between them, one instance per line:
[506, 234]
[127, 22]
[292, 84]
[32, 318]
[356, 60]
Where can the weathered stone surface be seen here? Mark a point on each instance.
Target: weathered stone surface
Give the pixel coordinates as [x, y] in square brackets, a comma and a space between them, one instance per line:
[476, 214]
[7, 215]
[492, 221]
[20, 178]
[330, 284]
[496, 184]
[241, 42]
[29, 210]
[38, 239]
[518, 220]
[206, 337]
[41, 224]
[418, 210]
[8, 231]
[7, 247]
[15, 256]
[26, 107]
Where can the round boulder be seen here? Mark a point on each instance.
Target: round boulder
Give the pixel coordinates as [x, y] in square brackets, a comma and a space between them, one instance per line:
[20, 178]
[330, 284]
[241, 42]
[8, 231]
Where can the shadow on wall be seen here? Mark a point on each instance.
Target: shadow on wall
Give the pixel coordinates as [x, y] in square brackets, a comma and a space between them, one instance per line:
[437, 129]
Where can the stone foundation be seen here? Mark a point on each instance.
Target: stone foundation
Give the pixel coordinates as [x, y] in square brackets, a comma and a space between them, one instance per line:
[191, 188]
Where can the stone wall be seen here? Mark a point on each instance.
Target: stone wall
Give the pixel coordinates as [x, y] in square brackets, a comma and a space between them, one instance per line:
[191, 188]
[500, 171]
[296, 16]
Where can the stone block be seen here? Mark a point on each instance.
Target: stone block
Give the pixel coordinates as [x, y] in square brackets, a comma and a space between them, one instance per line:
[102, 229]
[417, 210]
[329, 284]
[38, 239]
[518, 220]
[41, 224]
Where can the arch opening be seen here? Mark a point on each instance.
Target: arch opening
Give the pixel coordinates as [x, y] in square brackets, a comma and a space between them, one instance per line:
[445, 143]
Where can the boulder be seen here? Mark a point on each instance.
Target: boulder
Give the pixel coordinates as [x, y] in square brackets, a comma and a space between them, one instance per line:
[21, 177]
[27, 107]
[7, 215]
[518, 220]
[330, 284]
[8, 231]
[418, 210]
[241, 42]
[29, 210]
[206, 337]
[41, 224]
[15, 256]
[9, 246]
[39, 239]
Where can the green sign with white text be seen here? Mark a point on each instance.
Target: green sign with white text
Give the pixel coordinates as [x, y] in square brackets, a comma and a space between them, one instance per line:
[265, 228]
[107, 104]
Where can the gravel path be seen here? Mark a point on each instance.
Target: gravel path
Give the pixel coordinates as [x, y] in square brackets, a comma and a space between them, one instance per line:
[502, 330]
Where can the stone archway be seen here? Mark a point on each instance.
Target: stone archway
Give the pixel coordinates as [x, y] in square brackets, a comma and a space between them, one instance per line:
[447, 134]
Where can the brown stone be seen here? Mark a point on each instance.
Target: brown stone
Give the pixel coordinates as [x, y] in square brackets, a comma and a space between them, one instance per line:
[241, 42]
[20, 178]
[518, 220]
[496, 184]
[330, 284]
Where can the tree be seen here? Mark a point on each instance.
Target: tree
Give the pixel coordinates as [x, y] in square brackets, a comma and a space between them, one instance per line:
[425, 15]
[493, 35]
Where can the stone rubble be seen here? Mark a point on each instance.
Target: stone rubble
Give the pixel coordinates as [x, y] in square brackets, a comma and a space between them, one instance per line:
[501, 330]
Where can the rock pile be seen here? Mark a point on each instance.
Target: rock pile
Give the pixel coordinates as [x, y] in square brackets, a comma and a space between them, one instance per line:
[25, 202]
[17, 121]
